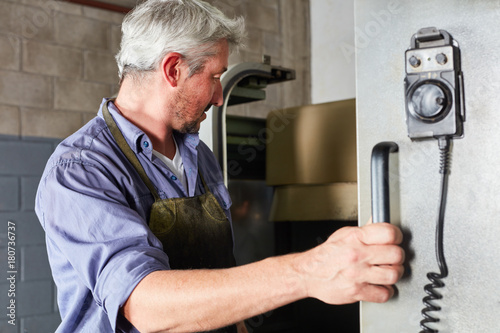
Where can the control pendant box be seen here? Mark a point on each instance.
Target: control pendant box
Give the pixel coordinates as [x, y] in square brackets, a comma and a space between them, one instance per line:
[434, 86]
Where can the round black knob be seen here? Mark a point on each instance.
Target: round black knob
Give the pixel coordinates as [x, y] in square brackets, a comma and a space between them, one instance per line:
[429, 101]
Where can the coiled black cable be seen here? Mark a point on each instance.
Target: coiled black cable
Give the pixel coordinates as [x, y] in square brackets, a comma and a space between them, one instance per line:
[436, 278]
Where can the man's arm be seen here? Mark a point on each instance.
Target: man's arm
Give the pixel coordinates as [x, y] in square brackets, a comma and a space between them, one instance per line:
[353, 264]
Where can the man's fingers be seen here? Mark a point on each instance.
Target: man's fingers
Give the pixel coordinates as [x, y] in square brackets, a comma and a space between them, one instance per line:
[385, 255]
[380, 233]
[384, 275]
[376, 293]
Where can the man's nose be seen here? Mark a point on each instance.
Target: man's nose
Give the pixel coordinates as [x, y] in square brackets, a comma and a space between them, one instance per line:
[217, 98]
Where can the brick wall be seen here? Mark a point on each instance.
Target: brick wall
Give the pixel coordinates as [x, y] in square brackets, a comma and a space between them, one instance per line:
[22, 162]
[279, 28]
[56, 64]
[57, 60]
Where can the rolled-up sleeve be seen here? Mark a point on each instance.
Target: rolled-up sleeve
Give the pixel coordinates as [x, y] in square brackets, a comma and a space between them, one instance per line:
[96, 233]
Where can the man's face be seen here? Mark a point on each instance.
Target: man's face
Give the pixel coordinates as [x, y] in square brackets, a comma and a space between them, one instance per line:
[196, 94]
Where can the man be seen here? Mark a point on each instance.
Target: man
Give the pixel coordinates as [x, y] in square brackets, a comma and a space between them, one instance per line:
[136, 213]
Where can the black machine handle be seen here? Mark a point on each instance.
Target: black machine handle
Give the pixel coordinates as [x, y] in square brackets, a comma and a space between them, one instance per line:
[380, 181]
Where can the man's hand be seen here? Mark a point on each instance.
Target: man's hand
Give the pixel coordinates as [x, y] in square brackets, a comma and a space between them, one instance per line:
[354, 264]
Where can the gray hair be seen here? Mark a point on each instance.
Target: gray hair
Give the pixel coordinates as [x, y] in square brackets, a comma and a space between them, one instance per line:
[189, 27]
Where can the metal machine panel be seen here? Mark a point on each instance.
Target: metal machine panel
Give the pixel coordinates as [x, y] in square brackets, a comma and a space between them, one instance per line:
[242, 83]
[471, 295]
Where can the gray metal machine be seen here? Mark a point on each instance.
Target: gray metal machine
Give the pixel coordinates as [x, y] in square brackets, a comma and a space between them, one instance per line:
[228, 136]
[242, 83]
[421, 68]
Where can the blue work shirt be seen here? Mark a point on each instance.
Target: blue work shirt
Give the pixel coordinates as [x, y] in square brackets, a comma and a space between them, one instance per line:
[94, 209]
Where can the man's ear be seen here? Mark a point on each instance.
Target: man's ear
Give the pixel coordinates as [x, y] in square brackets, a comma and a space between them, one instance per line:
[172, 68]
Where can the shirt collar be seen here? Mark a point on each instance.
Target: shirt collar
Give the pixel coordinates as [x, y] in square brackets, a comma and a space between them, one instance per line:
[191, 140]
[135, 137]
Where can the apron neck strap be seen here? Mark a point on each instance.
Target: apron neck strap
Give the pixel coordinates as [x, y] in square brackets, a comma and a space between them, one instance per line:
[205, 186]
[127, 151]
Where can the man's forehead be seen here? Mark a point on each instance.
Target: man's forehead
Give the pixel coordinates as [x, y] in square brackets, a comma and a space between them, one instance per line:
[222, 55]
[219, 63]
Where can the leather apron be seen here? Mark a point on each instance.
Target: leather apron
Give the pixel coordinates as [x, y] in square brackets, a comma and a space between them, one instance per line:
[194, 231]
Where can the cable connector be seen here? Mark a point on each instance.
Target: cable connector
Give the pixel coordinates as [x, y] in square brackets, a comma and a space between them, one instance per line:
[444, 143]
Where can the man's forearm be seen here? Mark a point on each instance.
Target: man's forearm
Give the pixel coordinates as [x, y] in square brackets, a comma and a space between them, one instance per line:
[353, 264]
[200, 300]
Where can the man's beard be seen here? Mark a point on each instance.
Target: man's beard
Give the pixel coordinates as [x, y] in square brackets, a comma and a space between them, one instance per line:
[191, 127]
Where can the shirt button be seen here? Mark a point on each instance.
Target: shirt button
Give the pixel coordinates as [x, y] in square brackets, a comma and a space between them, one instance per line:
[145, 144]
[173, 178]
